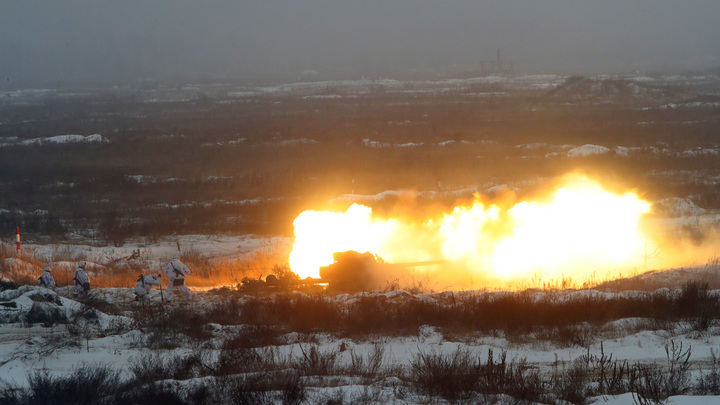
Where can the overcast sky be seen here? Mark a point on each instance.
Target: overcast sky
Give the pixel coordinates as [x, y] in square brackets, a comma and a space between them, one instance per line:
[49, 41]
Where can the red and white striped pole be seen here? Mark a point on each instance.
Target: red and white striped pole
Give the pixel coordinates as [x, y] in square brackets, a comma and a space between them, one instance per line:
[17, 233]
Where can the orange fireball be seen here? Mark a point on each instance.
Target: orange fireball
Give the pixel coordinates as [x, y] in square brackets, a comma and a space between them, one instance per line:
[578, 229]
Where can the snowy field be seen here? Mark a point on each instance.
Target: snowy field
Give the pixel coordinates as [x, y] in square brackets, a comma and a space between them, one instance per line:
[650, 338]
[212, 349]
[119, 343]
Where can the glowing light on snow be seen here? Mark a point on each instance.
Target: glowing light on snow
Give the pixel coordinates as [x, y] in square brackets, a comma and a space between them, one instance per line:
[577, 229]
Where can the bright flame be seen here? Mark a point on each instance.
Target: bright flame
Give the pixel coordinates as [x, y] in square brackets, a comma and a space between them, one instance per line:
[319, 234]
[581, 228]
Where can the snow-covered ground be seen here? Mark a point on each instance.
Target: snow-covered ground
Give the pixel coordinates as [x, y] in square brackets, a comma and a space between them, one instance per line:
[113, 330]
[210, 246]
[117, 341]
[59, 139]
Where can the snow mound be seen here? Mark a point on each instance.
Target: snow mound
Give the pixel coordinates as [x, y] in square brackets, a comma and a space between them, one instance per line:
[374, 144]
[293, 142]
[430, 334]
[363, 198]
[622, 151]
[677, 207]
[605, 90]
[60, 139]
[17, 305]
[14, 372]
[587, 150]
[502, 188]
[663, 280]
[699, 152]
[30, 304]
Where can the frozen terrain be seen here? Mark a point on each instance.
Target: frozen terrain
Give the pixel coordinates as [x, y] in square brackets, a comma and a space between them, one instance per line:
[54, 333]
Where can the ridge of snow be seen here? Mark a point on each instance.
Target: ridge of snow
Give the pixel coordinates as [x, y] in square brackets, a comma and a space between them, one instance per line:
[587, 150]
[677, 207]
[290, 142]
[366, 198]
[60, 139]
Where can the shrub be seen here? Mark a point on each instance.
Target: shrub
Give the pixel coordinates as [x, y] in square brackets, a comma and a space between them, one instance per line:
[12, 395]
[285, 387]
[315, 362]
[572, 383]
[167, 322]
[568, 335]
[47, 315]
[611, 376]
[239, 360]
[696, 302]
[86, 385]
[368, 366]
[154, 393]
[493, 375]
[709, 384]
[568, 322]
[524, 383]
[457, 375]
[657, 384]
[158, 366]
[253, 336]
[7, 284]
[226, 312]
[452, 376]
[149, 367]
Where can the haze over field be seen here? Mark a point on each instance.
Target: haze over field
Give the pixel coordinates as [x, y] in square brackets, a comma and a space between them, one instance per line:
[47, 42]
[468, 201]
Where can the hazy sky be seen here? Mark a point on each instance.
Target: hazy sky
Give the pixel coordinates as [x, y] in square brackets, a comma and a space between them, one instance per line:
[49, 41]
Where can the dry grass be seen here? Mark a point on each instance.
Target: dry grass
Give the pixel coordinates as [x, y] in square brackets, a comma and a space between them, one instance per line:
[209, 272]
[206, 272]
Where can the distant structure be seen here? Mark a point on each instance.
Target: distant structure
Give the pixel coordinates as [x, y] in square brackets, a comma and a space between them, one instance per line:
[497, 66]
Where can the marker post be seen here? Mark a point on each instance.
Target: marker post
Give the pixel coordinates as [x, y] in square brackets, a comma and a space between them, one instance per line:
[19, 248]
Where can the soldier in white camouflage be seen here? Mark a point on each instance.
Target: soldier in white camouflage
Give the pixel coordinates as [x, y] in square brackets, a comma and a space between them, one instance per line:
[144, 285]
[82, 281]
[176, 272]
[47, 280]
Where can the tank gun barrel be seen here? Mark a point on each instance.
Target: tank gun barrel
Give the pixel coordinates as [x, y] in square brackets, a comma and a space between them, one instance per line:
[424, 263]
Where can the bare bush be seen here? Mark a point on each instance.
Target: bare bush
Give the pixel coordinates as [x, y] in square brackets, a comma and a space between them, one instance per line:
[153, 393]
[225, 312]
[86, 385]
[581, 335]
[369, 365]
[493, 374]
[316, 362]
[240, 360]
[167, 325]
[98, 302]
[151, 367]
[453, 376]
[285, 387]
[11, 394]
[611, 376]
[572, 383]
[253, 336]
[524, 383]
[47, 315]
[697, 304]
[709, 384]
[655, 384]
